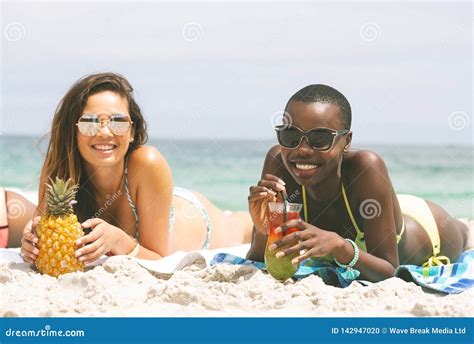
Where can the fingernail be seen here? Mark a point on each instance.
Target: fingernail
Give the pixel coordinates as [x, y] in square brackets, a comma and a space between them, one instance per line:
[294, 261]
[35, 251]
[280, 254]
[81, 259]
[272, 247]
[277, 230]
[282, 182]
[262, 193]
[78, 253]
[78, 242]
[35, 240]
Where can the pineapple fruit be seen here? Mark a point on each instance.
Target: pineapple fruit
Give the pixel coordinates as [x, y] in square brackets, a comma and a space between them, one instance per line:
[58, 230]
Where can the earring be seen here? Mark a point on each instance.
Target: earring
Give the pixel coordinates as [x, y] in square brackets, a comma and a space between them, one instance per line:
[132, 140]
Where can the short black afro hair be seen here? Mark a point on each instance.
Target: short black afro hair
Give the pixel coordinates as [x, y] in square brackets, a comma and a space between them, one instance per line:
[325, 94]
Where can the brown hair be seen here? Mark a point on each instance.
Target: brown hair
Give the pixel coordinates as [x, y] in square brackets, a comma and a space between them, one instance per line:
[63, 159]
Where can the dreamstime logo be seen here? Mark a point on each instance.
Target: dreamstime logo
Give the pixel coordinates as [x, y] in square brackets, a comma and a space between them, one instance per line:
[370, 32]
[192, 31]
[16, 209]
[468, 202]
[14, 32]
[370, 209]
[110, 199]
[459, 120]
[281, 118]
[273, 215]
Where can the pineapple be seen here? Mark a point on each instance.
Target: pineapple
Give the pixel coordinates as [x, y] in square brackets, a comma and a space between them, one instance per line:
[58, 230]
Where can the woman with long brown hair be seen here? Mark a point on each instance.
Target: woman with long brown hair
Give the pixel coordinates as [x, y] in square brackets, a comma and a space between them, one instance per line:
[126, 196]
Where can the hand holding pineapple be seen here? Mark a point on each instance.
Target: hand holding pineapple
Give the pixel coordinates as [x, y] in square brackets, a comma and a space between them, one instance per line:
[50, 241]
[29, 241]
[102, 239]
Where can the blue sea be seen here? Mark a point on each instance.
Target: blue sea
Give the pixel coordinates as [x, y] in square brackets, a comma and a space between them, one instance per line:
[224, 170]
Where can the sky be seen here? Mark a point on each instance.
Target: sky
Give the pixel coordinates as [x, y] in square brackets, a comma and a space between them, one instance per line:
[225, 70]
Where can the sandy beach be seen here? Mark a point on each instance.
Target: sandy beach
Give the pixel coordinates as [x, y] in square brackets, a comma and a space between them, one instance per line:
[122, 287]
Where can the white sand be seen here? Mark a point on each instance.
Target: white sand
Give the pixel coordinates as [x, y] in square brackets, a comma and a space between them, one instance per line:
[121, 287]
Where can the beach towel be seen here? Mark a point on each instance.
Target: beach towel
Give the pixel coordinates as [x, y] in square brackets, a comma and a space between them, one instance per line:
[330, 274]
[163, 268]
[449, 279]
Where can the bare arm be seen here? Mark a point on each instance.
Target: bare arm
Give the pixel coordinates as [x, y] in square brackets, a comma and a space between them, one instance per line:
[29, 239]
[368, 183]
[150, 185]
[374, 190]
[272, 165]
[151, 174]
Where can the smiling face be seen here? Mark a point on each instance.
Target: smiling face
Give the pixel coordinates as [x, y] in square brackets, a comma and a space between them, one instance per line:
[104, 149]
[307, 165]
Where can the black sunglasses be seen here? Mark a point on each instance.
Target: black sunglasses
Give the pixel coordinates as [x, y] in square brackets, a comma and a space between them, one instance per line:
[321, 139]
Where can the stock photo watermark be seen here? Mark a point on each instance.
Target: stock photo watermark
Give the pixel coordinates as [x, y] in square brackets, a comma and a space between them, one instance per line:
[370, 32]
[14, 32]
[192, 31]
[110, 200]
[280, 118]
[16, 209]
[47, 331]
[459, 120]
[291, 198]
[468, 202]
[370, 209]
[190, 211]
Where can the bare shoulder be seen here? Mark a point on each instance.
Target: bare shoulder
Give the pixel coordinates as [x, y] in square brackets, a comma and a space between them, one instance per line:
[147, 162]
[365, 170]
[358, 161]
[146, 155]
[274, 152]
[273, 157]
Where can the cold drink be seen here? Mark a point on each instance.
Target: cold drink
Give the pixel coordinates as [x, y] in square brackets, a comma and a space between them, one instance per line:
[280, 268]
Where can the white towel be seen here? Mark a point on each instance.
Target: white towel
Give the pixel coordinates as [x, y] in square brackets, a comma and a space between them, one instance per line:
[165, 267]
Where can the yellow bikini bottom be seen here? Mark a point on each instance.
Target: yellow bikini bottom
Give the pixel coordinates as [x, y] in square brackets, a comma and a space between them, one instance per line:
[418, 209]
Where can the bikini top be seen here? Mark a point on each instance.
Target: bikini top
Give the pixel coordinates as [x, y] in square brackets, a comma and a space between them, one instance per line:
[129, 197]
[359, 239]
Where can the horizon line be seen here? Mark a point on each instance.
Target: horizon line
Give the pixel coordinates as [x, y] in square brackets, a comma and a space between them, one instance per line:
[269, 140]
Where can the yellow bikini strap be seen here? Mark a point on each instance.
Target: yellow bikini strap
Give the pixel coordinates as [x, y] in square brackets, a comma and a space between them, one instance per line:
[305, 207]
[349, 211]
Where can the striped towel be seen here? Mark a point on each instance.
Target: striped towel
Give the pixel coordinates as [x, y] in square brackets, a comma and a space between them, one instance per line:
[449, 279]
[330, 274]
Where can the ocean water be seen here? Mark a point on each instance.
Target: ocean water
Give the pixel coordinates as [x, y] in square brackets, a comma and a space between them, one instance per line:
[224, 170]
